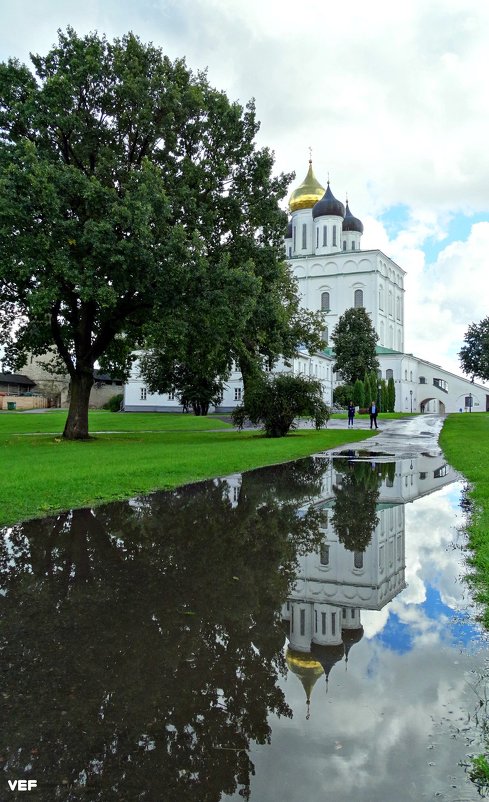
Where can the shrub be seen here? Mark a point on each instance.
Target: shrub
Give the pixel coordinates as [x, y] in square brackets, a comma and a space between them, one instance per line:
[275, 402]
[343, 394]
[114, 403]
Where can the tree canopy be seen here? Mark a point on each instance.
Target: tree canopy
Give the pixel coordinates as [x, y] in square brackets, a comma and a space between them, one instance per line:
[474, 355]
[354, 339]
[124, 178]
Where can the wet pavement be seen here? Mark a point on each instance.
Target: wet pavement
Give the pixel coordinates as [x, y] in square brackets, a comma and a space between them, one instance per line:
[402, 438]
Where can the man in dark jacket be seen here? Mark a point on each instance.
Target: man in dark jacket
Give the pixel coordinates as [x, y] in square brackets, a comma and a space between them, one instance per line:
[372, 411]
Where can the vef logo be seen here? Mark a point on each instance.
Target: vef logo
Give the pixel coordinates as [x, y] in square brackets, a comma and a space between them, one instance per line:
[22, 785]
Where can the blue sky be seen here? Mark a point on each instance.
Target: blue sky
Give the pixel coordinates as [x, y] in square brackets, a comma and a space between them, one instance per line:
[391, 98]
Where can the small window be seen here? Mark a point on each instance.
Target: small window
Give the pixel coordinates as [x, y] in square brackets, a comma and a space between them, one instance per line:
[304, 236]
[358, 299]
[422, 379]
[294, 232]
[237, 393]
[440, 472]
[358, 559]
[323, 623]
[325, 236]
[389, 374]
[333, 623]
[469, 401]
[303, 622]
[324, 556]
[325, 307]
[344, 244]
[325, 335]
[334, 235]
[344, 613]
[143, 394]
[353, 246]
[315, 620]
[317, 237]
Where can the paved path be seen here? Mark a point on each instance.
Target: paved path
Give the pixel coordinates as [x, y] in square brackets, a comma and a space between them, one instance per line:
[404, 438]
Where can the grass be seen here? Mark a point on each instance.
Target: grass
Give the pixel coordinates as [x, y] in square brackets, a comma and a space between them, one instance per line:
[100, 420]
[43, 474]
[465, 442]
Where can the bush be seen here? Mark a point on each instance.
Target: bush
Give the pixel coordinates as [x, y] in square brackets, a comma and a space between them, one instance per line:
[275, 402]
[343, 394]
[114, 403]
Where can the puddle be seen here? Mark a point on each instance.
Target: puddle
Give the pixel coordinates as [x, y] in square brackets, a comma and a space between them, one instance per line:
[298, 630]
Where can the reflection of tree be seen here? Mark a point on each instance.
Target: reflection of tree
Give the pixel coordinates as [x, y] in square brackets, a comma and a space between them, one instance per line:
[354, 516]
[143, 642]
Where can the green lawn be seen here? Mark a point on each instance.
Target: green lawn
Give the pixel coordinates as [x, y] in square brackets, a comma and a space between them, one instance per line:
[102, 421]
[42, 474]
[465, 442]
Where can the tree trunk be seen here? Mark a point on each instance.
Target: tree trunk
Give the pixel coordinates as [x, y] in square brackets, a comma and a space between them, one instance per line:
[76, 427]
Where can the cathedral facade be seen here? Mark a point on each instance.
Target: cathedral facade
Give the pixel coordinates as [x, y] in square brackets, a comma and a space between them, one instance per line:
[323, 250]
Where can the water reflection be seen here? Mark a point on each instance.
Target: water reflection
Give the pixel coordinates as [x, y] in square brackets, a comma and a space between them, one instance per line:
[144, 641]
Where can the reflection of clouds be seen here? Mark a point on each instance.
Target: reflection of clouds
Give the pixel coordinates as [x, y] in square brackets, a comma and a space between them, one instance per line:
[391, 726]
[373, 735]
[430, 562]
[374, 621]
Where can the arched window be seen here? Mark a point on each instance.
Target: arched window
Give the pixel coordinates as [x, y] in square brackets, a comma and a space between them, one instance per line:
[317, 237]
[389, 374]
[398, 308]
[381, 297]
[325, 307]
[382, 332]
[304, 236]
[325, 236]
[358, 299]
[391, 304]
[358, 559]
[334, 235]
[325, 335]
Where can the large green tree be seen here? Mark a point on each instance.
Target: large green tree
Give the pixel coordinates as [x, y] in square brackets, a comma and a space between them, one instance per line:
[122, 173]
[354, 339]
[474, 355]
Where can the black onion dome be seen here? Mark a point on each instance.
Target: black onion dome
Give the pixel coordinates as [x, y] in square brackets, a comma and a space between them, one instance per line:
[289, 230]
[328, 205]
[351, 223]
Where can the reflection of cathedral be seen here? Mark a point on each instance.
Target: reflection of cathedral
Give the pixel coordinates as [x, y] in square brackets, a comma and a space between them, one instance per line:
[334, 584]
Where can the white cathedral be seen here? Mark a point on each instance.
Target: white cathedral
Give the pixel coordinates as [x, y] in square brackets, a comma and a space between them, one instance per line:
[323, 249]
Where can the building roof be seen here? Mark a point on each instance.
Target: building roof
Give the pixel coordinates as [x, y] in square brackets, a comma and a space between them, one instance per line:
[16, 378]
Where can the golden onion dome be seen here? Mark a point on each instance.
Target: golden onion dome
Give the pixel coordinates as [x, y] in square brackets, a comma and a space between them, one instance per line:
[306, 667]
[307, 194]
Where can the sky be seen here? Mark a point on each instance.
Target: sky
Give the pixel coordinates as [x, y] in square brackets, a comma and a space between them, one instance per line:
[392, 98]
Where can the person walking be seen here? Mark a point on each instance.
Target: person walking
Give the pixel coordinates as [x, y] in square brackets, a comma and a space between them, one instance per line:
[351, 413]
[372, 410]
